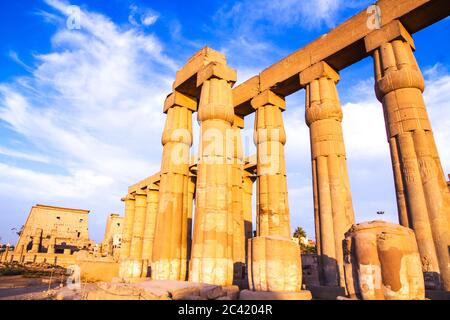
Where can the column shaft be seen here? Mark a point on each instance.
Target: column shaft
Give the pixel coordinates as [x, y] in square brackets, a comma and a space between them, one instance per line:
[212, 247]
[272, 198]
[331, 187]
[149, 229]
[170, 244]
[128, 227]
[247, 200]
[416, 164]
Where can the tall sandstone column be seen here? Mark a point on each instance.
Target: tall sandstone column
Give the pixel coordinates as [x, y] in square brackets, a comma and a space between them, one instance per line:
[274, 262]
[247, 195]
[170, 243]
[269, 136]
[149, 229]
[127, 233]
[132, 267]
[212, 248]
[422, 194]
[237, 202]
[190, 204]
[333, 210]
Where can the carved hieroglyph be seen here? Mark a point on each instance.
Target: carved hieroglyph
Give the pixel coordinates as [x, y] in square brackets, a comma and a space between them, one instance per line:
[422, 194]
[212, 247]
[170, 243]
[333, 210]
[382, 262]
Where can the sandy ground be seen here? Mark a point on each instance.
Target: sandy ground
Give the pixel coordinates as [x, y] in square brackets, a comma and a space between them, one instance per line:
[23, 288]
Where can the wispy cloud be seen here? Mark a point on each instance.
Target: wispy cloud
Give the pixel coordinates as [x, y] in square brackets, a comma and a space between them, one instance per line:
[91, 110]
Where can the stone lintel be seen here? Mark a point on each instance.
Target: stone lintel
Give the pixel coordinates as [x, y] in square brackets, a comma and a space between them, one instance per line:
[216, 70]
[268, 97]
[145, 182]
[317, 71]
[129, 196]
[238, 121]
[394, 30]
[243, 94]
[179, 99]
[152, 186]
[140, 192]
[185, 80]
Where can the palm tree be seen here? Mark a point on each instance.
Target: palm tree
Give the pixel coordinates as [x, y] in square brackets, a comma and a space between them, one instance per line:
[299, 233]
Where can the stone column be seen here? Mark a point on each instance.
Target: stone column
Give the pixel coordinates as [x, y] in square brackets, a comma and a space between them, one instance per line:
[149, 229]
[239, 243]
[247, 200]
[36, 245]
[382, 262]
[134, 266]
[170, 244]
[52, 242]
[274, 262]
[422, 194]
[127, 233]
[212, 247]
[272, 196]
[190, 203]
[333, 209]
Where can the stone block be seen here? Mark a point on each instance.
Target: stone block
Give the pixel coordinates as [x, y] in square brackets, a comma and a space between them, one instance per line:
[317, 71]
[267, 295]
[382, 262]
[392, 31]
[274, 264]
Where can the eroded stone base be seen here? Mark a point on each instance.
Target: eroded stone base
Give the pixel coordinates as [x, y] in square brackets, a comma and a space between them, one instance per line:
[267, 295]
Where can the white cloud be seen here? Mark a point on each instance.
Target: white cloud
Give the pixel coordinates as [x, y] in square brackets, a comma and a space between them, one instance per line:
[91, 110]
[146, 17]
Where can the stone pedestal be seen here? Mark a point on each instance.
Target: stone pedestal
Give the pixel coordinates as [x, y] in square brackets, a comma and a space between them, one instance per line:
[382, 262]
[422, 195]
[333, 210]
[274, 264]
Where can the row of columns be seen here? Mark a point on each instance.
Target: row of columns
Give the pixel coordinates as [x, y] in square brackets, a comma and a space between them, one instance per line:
[222, 221]
[139, 232]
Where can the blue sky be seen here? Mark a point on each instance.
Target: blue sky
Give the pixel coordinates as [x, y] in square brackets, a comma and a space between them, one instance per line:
[80, 109]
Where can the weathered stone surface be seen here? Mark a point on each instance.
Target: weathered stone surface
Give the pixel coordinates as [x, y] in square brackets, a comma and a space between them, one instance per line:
[382, 262]
[266, 295]
[274, 264]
